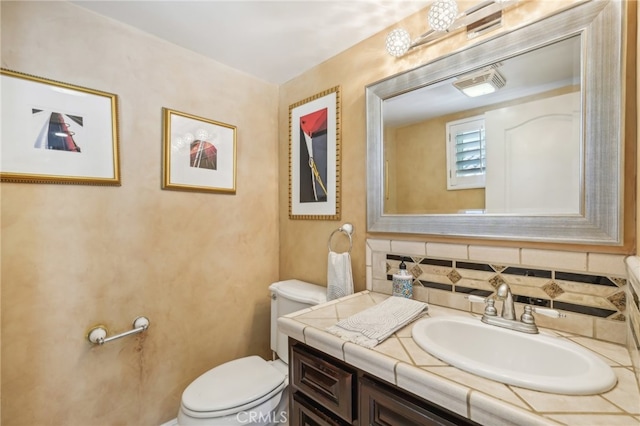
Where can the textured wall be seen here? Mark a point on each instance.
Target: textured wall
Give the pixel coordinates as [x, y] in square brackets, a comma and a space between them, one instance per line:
[198, 265]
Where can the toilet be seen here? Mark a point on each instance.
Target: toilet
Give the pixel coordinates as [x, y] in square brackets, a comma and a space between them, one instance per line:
[251, 390]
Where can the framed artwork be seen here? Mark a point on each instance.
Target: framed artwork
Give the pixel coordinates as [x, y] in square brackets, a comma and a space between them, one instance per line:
[314, 157]
[55, 132]
[198, 154]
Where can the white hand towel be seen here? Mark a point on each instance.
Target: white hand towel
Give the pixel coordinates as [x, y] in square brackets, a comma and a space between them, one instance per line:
[375, 324]
[339, 276]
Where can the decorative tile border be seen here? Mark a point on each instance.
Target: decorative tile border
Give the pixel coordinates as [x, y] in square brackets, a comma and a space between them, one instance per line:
[592, 289]
[553, 289]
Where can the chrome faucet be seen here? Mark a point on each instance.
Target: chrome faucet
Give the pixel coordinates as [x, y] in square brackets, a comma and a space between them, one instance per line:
[507, 318]
[508, 309]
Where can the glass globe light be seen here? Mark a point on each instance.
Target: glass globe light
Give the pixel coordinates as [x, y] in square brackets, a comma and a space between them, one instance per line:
[442, 14]
[398, 42]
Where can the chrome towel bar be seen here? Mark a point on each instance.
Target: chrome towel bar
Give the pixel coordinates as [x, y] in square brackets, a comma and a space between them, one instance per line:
[98, 334]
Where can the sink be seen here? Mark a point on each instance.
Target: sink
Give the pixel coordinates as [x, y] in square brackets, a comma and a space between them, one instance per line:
[532, 361]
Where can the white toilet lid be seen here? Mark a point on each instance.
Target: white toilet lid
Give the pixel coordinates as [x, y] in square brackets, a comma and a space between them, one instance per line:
[232, 384]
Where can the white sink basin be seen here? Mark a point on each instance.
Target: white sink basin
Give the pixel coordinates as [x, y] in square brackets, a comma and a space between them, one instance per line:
[533, 361]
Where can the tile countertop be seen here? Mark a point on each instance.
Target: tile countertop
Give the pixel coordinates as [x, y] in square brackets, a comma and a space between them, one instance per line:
[400, 361]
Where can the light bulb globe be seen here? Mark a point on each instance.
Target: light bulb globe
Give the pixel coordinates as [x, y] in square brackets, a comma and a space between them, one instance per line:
[398, 42]
[442, 14]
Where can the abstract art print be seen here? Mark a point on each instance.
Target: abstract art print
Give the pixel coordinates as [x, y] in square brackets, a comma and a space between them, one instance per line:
[314, 157]
[55, 132]
[198, 154]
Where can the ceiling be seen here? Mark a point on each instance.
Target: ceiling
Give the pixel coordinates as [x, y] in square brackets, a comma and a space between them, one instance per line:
[274, 41]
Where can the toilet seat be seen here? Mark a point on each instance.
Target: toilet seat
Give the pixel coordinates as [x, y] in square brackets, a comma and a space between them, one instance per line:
[233, 387]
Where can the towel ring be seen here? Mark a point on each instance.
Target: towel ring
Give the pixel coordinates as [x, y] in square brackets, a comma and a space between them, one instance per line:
[347, 228]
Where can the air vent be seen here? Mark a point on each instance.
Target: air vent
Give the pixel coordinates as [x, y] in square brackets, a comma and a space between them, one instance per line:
[492, 77]
[480, 83]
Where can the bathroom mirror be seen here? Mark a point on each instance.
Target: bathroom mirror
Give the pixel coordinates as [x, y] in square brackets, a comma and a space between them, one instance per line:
[554, 176]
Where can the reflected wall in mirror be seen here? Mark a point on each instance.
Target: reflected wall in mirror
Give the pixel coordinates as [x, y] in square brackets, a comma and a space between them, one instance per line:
[516, 149]
[537, 159]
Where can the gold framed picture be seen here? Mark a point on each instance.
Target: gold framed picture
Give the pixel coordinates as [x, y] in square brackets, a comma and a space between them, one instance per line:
[54, 132]
[199, 154]
[314, 157]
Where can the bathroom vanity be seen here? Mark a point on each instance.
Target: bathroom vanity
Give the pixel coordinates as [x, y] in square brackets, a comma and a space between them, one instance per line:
[334, 382]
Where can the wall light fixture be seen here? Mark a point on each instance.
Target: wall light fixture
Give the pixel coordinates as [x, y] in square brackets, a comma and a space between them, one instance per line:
[445, 20]
[442, 14]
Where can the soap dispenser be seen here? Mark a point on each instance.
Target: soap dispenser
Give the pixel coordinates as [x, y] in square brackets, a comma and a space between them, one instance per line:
[403, 282]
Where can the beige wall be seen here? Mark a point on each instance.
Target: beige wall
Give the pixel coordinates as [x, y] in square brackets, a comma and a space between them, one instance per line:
[197, 264]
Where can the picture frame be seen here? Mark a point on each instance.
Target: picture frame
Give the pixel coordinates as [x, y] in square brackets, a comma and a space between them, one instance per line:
[55, 132]
[315, 156]
[198, 154]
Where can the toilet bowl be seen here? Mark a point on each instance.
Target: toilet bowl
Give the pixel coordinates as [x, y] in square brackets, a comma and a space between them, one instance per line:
[250, 390]
[239, 391]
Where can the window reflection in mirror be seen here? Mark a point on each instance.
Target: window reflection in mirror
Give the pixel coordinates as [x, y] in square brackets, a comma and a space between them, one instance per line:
[524, 157]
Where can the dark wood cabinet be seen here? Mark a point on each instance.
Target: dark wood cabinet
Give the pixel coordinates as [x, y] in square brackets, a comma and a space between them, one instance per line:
[385, 405]
[305, 413]
[325, 380]
[328, 392]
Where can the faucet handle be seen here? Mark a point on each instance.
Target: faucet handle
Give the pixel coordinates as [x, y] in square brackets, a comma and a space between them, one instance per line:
[527, 316]
[490, 309]
[552, 313]
[476, 299]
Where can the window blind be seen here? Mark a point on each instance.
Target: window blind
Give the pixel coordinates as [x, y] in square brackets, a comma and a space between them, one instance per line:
[466, 153]
[470, 153]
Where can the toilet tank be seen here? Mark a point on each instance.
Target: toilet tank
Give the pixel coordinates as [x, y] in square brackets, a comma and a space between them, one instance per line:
[287, 297]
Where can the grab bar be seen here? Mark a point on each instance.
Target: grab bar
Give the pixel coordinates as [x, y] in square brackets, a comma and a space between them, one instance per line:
[347, 228]
[98, 334]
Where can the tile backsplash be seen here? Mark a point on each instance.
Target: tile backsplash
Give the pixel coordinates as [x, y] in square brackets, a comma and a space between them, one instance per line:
[633, 314]
[596, 295]
[591, 289]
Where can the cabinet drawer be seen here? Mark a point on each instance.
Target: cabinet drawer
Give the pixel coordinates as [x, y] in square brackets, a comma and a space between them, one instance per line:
[303, 413]
[324, 380]
[381, 405]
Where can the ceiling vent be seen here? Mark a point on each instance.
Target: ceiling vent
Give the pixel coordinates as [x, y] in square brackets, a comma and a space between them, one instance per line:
[480, 83]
